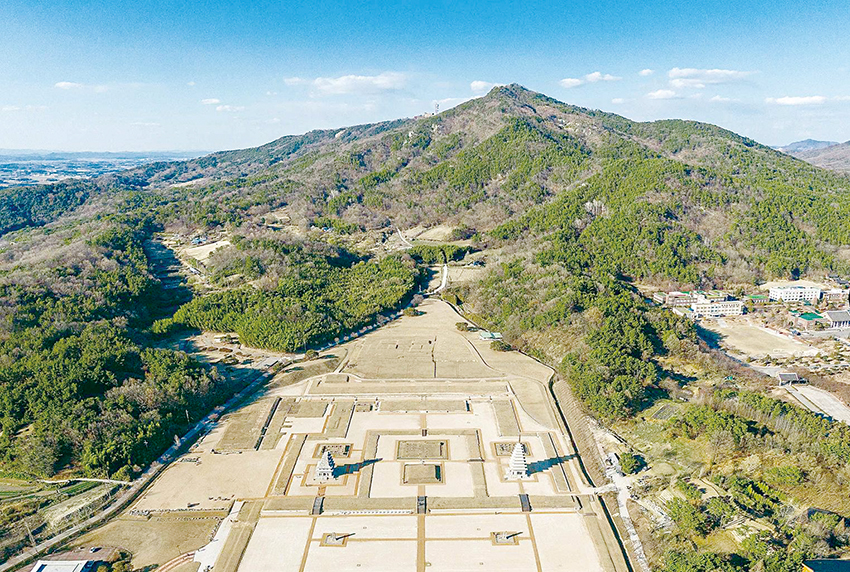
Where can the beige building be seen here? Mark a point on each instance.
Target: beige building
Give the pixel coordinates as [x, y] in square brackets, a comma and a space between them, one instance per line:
[718, 309]
[839, 319]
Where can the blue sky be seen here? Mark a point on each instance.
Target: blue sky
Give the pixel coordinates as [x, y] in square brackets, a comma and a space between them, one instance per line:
[173, 74]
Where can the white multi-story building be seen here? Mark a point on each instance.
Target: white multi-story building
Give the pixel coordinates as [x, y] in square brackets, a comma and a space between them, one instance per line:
[718, 309]
[794, 293]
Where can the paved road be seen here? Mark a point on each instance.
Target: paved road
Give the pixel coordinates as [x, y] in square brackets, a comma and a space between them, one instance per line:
[444, 280]
[404, 240]
[820, 401]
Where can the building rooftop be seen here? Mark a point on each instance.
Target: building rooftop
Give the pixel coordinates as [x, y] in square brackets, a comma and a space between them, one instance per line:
[811, 316]
[838, 316]
[786, 377]
[490, 335]
[63, 566]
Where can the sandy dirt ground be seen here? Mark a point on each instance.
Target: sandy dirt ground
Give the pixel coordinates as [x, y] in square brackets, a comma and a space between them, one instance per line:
[462, 274]
[155, 541]
[202, 252]
[753, 341]
[806, 283]
[438, 233]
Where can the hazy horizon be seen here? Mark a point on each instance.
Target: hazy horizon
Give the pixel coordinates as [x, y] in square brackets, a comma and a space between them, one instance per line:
[126, 76]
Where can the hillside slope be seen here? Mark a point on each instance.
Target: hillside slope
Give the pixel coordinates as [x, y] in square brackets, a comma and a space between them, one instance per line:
[834, 157]
[577, 202]
[569, 206]
[805, 145]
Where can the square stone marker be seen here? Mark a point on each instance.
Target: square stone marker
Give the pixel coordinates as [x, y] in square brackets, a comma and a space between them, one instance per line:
[334, 539]
[419, 474]
[425, 449]
[505, 537]
[505, 448]
[337, 450]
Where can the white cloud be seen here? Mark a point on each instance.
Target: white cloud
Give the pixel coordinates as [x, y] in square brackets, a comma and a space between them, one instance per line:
[294, 81]
[570, 82]
[479, 86]
[13, 108]
[144, 124]
[842, 98]
[681, 78]
[618, 100]
[72, 85]
[210, 101]
[681, 83]
[190, 84]
[662, 94]
[68, 85]
[646, 72]
[360, 84]
[599, 76]
[798, 100]
[229, 108]
[721, 99]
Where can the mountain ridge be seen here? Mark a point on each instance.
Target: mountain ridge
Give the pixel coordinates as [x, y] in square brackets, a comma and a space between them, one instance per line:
[574, 213]
[835, 157]
[805, 145]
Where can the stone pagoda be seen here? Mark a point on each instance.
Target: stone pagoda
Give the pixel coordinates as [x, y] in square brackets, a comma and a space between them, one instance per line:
[325, 467]
[518, 466]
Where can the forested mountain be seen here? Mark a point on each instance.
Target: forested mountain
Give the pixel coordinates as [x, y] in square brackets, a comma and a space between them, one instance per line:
[574, 205]
[577, 198]
[806, 145]
[835, 157]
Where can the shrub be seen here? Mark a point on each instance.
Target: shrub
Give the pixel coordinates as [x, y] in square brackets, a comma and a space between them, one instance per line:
[788, 476]
[631, 463]
[500, 346]
[691, 492]
[462, 326]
